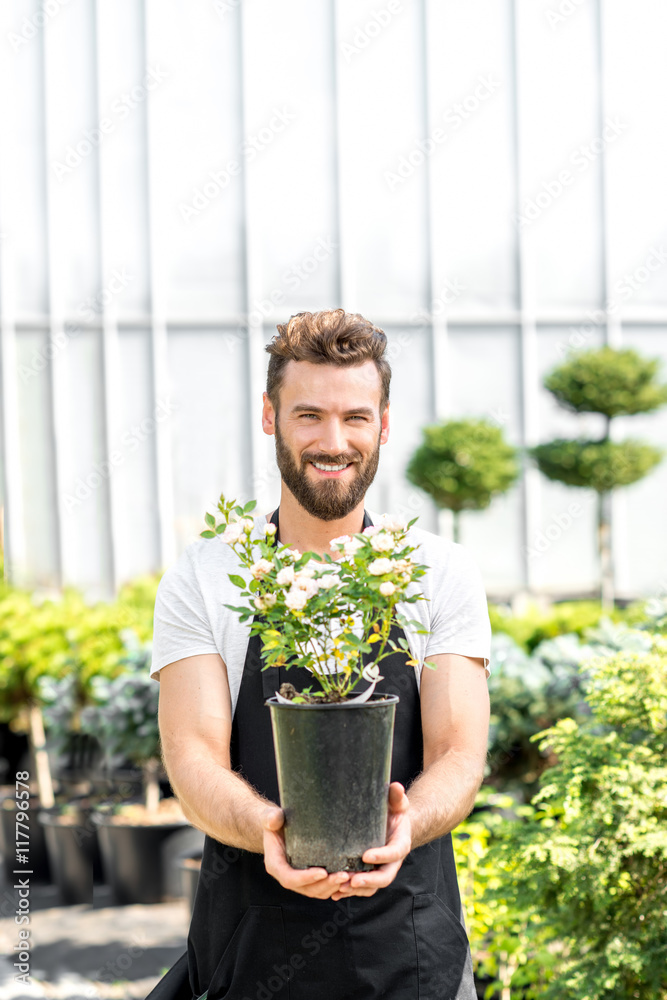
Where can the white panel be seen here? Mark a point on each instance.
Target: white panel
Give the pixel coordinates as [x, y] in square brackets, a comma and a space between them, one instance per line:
[25, 223]
[289, 156]
[382, 119]
[645, 538]
[473, 158]
[36, 450]
[85, 471]
[485, 383]
[636, 87]
[196, 123]
[411, 408]
[124, 84]
[208, 390]
[71, 151]
[132, 452]
[560, 170]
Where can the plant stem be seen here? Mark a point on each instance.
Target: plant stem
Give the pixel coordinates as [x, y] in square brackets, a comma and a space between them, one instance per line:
[38, 744]
[605, 551]
[151, 784]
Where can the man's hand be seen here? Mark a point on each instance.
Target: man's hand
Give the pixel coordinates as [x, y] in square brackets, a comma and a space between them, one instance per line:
[390, 857]
[313, 882]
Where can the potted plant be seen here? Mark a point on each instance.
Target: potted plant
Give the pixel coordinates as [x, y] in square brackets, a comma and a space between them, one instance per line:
[132, 834]
[325, 614]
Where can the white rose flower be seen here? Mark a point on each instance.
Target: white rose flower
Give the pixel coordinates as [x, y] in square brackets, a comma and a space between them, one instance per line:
[353, 546]
[382, 542]
[232, 532]
[259, 603]
[269, 529]
[338, 543]
[387, 588]
[305, 583]
[308, 570]
[261, 567]
[391, 523]
[372, 529]
[269, 600]
[328, 580]
[296, 599]
[292, 554]
[286, 576]
[380, 566]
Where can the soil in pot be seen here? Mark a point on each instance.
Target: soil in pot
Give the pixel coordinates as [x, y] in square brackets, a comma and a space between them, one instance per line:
[334, 765]
[131, 841]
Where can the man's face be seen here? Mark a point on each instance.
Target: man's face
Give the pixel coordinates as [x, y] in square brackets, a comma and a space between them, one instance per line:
[328, 434]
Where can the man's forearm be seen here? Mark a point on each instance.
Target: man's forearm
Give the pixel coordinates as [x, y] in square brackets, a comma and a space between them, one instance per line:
[220, 802]
[443, 795]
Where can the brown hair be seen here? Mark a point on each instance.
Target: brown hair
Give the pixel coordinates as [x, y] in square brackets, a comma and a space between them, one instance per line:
[328, 337]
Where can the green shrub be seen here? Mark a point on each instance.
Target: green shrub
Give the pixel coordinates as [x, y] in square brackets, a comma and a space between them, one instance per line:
[586, 869]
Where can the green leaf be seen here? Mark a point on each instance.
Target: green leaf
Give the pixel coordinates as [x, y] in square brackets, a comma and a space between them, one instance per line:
[210, 520]
[238, 581]
[251, 504]
[207, 534]
[219, 530]
[238, 510]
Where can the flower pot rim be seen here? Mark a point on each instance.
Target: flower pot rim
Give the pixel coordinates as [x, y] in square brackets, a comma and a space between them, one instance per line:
[374, 701]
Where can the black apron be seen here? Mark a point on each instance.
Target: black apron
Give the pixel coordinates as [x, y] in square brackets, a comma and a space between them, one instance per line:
[252, 939]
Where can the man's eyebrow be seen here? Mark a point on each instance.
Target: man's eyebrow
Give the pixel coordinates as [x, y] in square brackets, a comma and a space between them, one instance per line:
[367, 411]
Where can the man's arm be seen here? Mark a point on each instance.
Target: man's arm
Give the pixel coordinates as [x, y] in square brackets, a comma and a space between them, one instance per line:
[455, 724]
[195, 719]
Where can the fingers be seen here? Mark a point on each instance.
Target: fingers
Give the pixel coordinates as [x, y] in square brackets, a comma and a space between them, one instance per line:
[315, 882]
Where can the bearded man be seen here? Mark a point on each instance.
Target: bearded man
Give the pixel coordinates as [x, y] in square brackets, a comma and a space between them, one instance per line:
[261, 928]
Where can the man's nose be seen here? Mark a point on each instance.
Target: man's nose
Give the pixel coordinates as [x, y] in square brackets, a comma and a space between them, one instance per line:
[333, 439]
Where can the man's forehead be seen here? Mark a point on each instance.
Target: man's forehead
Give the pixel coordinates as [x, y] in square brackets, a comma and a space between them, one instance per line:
[359, 383]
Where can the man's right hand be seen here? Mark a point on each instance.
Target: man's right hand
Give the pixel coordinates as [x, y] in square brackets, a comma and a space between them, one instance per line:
[313, 882]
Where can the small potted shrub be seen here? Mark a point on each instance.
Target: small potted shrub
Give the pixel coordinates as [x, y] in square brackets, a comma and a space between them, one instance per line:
[132, 834]
[332, 743]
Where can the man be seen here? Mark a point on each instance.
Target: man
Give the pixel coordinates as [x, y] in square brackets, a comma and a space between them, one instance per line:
[261, 928]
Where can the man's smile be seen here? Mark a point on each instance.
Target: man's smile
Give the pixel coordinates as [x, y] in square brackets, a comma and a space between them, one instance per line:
[330, 471]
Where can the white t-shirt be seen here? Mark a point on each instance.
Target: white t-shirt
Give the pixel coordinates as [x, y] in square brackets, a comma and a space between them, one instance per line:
[191, 617]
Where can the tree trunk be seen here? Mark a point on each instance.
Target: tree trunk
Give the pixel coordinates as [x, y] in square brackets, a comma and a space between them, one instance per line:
[605, 550]
[151, 784]
[456, 526]
[37, 743]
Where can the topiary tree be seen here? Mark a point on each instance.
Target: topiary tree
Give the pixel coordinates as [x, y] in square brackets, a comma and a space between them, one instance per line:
[463, 465]
[613, 383]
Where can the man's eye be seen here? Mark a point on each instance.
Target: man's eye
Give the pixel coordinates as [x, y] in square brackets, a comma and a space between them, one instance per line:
[357, 416]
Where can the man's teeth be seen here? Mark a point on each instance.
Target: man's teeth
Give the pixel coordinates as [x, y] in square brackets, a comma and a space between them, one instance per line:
[330, 468]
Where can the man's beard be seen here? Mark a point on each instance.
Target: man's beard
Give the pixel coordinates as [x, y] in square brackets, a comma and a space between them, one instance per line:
[330, 499]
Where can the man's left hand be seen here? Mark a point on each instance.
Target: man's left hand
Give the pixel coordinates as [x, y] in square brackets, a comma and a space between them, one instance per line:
[390, 857]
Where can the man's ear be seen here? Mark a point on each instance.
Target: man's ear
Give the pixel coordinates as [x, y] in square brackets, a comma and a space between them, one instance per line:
[384, 433]
[268, 415]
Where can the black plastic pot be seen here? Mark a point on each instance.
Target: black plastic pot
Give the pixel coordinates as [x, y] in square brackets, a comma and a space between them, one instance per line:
[74, 855]
[132, 858]
[334, 765]
[37, 854]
